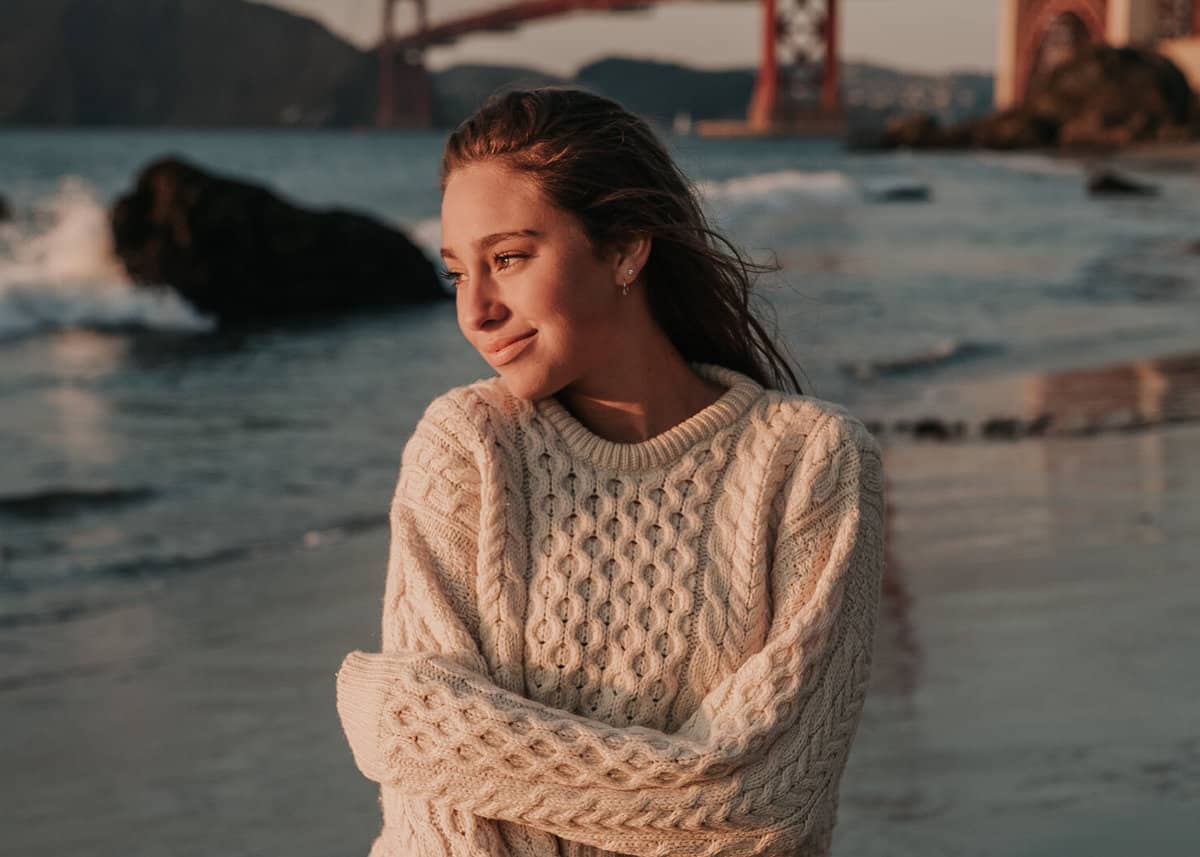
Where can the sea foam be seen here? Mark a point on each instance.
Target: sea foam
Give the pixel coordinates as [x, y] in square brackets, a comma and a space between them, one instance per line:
[58, 269]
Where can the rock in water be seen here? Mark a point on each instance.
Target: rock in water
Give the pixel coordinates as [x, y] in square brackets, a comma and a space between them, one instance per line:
[1102, 97]
[914, 131]
[1110, 183]
[5, 211]
[238, 251]
[897, 190]
[1105, 96]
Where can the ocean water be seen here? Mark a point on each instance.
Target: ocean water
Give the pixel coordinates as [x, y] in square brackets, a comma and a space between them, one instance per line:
[135, 437]
[143, 450]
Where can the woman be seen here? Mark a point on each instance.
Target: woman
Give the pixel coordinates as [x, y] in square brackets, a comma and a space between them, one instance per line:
[632, 585]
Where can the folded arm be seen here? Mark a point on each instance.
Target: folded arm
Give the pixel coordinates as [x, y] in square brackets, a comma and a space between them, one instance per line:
[429, 605]
[741, 775]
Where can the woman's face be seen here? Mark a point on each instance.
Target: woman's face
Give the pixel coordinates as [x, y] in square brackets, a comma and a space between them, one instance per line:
[524, 268]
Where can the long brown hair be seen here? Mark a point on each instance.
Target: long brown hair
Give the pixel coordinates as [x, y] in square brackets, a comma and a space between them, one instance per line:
[596, 160]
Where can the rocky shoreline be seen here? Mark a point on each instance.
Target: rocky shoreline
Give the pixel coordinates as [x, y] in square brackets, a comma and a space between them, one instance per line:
[1102, 99]
[1121, 397]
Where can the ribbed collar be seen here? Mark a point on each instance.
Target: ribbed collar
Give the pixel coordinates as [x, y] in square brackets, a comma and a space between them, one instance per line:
[667, 446]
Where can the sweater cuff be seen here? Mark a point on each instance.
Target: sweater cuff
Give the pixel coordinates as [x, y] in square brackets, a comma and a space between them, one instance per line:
[361, 702]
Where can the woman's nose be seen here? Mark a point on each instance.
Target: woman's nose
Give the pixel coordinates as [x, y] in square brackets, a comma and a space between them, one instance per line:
[483, 305]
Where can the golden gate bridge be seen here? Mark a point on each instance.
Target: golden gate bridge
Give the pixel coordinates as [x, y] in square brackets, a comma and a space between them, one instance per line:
[796, 90]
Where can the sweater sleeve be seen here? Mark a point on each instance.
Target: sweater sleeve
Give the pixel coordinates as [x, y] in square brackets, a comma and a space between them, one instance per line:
[745, 773]
[429, 602]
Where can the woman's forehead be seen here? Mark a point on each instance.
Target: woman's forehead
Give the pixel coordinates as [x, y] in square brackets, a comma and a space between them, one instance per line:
[480, 210]
[489, 177]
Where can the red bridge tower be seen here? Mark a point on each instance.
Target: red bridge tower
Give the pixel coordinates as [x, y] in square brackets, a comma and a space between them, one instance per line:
[404, 73]
[796, 91]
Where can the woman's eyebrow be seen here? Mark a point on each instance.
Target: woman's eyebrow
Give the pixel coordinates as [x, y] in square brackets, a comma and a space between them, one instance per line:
[495, 238]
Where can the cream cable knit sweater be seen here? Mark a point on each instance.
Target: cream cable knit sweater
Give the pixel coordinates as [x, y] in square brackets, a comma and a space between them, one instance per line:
[657, 648]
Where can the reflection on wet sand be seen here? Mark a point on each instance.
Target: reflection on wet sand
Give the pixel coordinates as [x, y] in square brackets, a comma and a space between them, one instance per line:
[1122, 396]
[1032, 688]
[1119, 397]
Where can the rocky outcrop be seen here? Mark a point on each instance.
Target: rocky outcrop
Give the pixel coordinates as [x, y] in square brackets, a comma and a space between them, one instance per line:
[238, 251]
[1103, 97]
[5, 210]
[1110, 183]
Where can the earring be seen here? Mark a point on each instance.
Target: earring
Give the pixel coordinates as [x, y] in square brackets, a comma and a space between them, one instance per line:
[625, 285]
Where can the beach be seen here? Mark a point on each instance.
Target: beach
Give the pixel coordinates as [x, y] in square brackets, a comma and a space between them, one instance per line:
[193, 526]
[1033, 690]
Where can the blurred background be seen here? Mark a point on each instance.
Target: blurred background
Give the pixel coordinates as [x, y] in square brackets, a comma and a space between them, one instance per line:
[220, 318]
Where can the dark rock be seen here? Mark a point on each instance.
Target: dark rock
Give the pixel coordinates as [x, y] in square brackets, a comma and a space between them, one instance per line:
[1102, 97]
[1011, 129]
[1039, 424]
[899, 192]
[1001, 427]
[904, 194]
[236, 250]
[1111, 183]
[1107, 97]
[5, 210]
[938, 429]
[931, 428]
[914, 131]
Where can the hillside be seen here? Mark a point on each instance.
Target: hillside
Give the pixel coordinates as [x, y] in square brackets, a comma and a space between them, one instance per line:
[172, 62]
[235, 63]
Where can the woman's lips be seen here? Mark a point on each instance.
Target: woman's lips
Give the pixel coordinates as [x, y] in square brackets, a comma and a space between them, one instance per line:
[510, 351]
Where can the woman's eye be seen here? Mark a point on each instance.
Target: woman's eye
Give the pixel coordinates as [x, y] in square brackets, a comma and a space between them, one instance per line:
[503, 258]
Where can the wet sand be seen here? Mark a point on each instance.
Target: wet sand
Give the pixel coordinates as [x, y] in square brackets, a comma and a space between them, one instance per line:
[1035, 689]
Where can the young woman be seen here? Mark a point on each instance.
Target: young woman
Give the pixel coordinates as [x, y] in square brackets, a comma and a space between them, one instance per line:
[632, 584]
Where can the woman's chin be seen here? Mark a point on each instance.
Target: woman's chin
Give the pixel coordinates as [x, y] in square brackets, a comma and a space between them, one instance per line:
[525, 382]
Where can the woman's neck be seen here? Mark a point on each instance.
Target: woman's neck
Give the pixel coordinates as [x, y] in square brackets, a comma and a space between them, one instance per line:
[631, 401]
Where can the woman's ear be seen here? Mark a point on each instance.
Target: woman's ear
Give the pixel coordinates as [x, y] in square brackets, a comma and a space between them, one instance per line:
[631, 255]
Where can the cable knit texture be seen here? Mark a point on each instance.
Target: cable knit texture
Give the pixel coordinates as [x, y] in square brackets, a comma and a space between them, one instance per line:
[593, 648]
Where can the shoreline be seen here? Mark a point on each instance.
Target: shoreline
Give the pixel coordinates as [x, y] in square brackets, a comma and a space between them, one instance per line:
[1024, 582]
[1121, 396]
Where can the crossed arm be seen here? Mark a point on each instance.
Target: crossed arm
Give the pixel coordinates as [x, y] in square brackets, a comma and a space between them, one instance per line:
[743, 775]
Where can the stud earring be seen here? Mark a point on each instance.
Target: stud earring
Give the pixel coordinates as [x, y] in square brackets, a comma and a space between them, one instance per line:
[625, 285]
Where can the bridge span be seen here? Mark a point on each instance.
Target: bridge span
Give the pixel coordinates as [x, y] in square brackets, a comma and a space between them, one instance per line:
[796, 90]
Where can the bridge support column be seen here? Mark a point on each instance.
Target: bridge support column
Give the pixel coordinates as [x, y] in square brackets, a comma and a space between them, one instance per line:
[1005, 87]
[1029, 27]
[403, 78]
[1132, 22]
[798, 87]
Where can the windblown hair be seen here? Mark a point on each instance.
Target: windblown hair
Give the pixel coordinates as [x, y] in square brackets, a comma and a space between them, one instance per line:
[594, 159]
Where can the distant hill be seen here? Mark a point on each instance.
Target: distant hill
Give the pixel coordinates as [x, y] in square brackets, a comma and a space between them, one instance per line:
[458, 90]
[173, 62]
[662, 89]
[231, 62]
